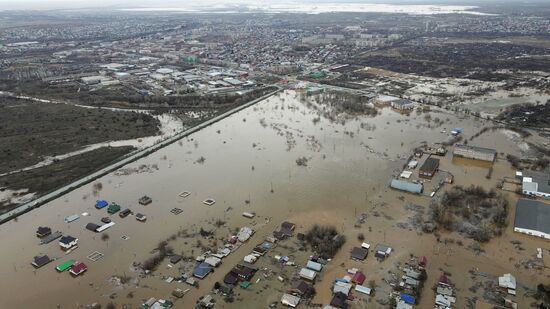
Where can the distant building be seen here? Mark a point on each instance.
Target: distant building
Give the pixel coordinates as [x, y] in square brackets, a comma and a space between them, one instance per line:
[473, 152]
[429, 167]
[402, 104]
[532, 218]
[382, 99]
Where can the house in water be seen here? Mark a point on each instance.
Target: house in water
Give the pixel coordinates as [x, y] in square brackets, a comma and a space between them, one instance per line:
[300, 287]
[68, 242]
[290, 300]
[101, 204]
[314, 266]
[339, 300]
[201, 270]
[43, 231]
[382, 251]
[532, 218]
[359, 253]
[78, 268]
[308, 274]
[40, 260]
[358, 278]
[145, 200]
[428, 169]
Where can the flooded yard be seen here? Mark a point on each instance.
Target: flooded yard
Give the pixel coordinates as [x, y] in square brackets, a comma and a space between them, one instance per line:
[289, 157]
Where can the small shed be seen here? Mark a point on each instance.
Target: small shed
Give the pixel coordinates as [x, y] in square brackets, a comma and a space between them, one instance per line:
[314, 266]
[201, 270]
[145, 200]
[40, 260]
[43, 231]
[290, 300]
[67, 242]
[175, 258]
[363, 289]
[78, 268]
[358, 278]
[423, 261]
[92, 227]
[408, 299]
[359, 253]
[101, 204]
[308, 274]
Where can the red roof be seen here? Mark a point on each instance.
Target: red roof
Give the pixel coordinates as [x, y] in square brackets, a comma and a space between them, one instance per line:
[422, 261]
[78, 268]
[358, 278]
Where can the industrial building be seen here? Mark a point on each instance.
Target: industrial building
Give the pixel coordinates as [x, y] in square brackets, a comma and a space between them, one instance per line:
[402, 104]
[473, 152]
[428, 169]
[535, 184]
[406, 186]
[532, 218]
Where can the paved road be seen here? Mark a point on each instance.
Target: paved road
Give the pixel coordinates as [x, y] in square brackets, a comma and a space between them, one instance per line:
[134, 156]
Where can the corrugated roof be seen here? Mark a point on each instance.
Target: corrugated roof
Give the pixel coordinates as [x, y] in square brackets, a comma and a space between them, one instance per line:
[532, 215]
[406, 186]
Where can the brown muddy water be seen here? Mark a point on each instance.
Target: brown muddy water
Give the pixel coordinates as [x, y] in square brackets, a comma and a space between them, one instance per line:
[247, 162]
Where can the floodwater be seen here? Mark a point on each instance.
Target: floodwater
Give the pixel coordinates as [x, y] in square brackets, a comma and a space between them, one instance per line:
[248, 164]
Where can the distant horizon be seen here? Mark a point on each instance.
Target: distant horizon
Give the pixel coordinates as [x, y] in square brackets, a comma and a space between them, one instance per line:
[8, 5]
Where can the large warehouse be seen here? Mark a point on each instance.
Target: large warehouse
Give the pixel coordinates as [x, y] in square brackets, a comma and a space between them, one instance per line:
[473, 152]
[532, 218]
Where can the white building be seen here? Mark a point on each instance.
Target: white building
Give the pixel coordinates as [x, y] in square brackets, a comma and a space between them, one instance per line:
[535, 184]
[290, 300]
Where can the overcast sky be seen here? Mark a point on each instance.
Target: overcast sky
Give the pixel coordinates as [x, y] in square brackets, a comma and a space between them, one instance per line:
[72, 4]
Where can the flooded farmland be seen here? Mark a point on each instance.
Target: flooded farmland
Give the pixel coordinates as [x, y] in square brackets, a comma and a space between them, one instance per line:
[289, 157]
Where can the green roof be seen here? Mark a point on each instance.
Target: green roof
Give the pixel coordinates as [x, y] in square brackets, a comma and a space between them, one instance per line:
[245, 284]
[113, 208]
[65, 265]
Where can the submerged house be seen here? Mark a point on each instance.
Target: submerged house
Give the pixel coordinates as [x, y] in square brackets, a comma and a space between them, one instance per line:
[67, 242]
[428, 169]
[308, 274]
[202, 270]
[406, 186]
[290, 300]
[101, 204]
[40, 260]
[78, 268]
[359, 253]
[145, 200]
[43, 231]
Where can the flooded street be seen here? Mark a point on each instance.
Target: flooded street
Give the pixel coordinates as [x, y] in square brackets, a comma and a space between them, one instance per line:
[248, 162]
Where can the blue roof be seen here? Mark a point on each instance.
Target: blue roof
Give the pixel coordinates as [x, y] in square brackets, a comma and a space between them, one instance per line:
[314, 266]
[406, 186]
[101, 203]
[202, 269]
[408, 299]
